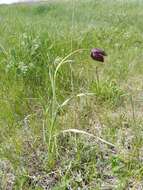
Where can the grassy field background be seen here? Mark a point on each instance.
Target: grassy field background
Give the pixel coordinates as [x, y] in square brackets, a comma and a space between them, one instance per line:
[60, 128]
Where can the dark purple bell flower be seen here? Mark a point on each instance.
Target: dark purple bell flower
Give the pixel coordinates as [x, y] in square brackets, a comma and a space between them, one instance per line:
[98, 54]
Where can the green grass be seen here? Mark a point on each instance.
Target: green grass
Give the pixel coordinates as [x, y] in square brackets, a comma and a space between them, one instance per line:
[56, 119]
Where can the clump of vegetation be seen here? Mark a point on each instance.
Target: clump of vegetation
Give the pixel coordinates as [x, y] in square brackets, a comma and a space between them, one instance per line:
[108, 92]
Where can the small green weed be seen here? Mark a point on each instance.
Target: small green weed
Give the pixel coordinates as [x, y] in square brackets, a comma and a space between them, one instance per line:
[107, 92]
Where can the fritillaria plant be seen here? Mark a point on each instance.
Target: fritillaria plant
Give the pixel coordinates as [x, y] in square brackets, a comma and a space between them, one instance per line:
[98, 55]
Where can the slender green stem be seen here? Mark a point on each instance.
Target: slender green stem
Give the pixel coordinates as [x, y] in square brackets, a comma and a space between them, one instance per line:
[97, 75]
[55, 107]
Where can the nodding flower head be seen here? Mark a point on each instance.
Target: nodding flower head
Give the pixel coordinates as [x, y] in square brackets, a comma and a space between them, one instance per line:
[98, 54]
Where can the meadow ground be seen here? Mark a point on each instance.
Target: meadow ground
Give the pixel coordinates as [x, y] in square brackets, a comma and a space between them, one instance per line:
[60, 127]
